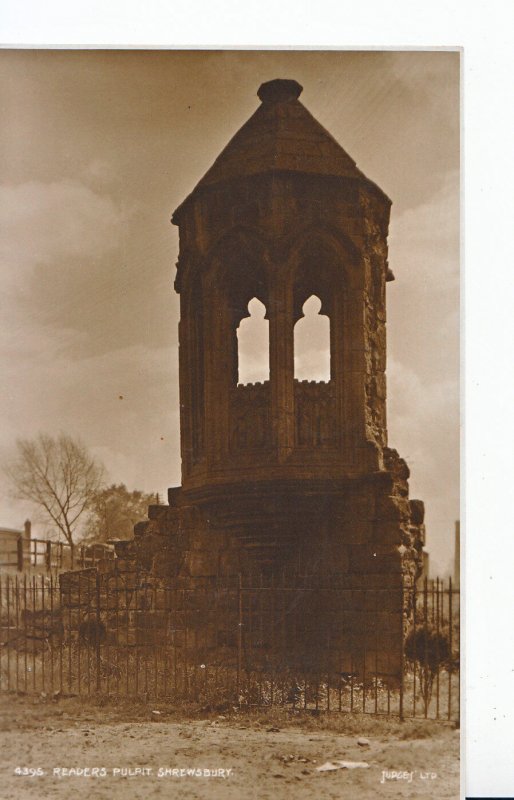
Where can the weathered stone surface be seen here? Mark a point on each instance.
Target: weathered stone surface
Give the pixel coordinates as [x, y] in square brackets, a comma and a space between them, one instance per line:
[199, 562]
[391, 533]
[230, 562]
[125, 548]
[364, 559]
[158, 512]
[417, 510]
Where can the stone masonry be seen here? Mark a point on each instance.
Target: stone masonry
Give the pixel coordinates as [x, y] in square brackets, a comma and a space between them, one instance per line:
[286, 476]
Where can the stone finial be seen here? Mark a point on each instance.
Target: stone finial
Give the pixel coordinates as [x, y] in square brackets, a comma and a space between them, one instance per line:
[279, 90]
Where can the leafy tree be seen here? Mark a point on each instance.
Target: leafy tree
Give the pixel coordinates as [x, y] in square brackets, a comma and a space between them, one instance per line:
[114, 511]
[57, 475]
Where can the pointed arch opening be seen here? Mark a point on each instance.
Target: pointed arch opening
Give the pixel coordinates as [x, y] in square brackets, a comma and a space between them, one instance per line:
[312, 343]
[253, 345]
[241, 270]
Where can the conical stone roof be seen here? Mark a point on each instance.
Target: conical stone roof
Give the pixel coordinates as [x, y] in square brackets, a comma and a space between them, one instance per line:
[281, 136]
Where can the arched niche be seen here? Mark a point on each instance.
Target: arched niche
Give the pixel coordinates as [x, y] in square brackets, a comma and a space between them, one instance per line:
[317, 275]
[317, 270]
[239, 274]
[193, 331]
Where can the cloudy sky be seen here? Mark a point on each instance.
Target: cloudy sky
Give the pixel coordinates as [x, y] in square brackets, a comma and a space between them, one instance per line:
[98, 148]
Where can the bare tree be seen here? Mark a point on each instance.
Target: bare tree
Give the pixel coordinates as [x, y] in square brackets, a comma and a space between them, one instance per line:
[59, 476]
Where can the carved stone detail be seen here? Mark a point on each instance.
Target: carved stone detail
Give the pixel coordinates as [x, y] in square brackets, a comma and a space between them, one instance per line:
[250, 426]
[315, 414]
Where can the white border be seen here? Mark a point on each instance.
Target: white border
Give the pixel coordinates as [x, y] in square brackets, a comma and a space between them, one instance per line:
[484, 30]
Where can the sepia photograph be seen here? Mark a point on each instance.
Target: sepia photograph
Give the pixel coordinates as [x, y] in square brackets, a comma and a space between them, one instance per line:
[230, 443]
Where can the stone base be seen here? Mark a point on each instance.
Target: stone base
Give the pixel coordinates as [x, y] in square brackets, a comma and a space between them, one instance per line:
[269, 578]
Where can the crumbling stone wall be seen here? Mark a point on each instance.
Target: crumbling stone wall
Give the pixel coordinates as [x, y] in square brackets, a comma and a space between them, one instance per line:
[365, 540]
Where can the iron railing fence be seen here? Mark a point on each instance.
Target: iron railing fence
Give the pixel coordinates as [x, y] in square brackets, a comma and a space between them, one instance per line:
[299, 641]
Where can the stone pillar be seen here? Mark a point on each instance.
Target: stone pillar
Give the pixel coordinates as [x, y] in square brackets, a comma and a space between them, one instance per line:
[282, 367]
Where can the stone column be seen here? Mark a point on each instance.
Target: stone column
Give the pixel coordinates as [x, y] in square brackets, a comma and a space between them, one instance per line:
[282, 365]
[218, 372]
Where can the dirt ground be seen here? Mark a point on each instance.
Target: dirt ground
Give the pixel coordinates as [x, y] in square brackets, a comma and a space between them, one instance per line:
[266, 755]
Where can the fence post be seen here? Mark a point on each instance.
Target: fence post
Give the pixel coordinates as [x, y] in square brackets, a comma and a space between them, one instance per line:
[19, 553]
[450, 631]
[239, 635]
[48, 556]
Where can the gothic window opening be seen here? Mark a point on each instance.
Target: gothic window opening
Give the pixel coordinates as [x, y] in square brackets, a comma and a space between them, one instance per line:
[312, 343]
[253, 345]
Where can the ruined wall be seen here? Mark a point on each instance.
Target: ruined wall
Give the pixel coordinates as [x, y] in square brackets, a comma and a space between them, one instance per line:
[366, 537]
[377, 273]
